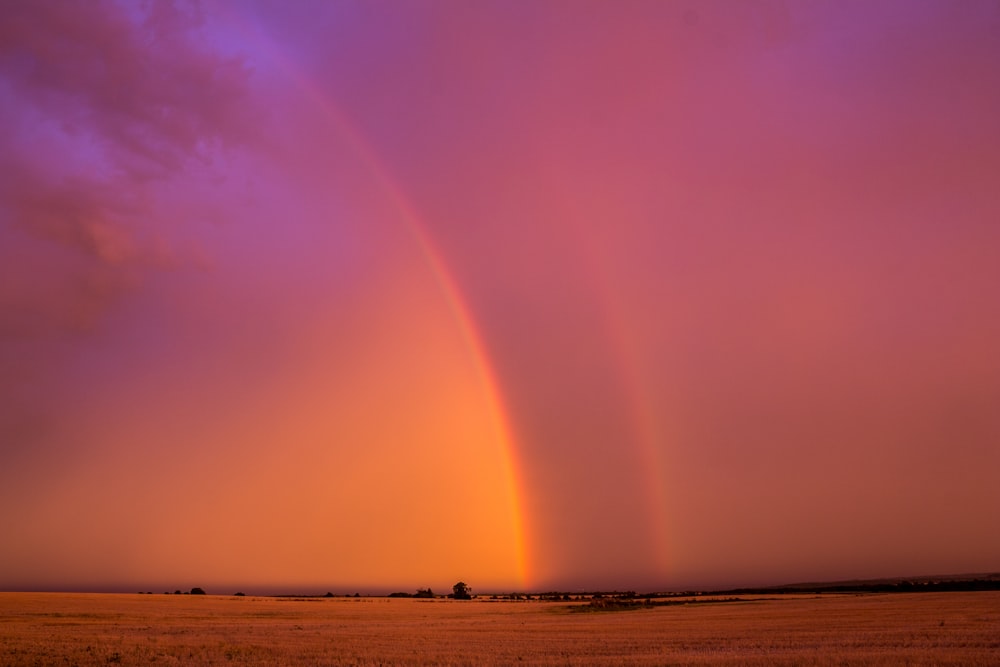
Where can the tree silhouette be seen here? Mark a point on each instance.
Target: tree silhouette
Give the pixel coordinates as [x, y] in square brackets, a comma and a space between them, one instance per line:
[462, 591]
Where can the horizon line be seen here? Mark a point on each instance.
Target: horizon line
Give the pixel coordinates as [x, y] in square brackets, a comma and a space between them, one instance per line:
[386, 591]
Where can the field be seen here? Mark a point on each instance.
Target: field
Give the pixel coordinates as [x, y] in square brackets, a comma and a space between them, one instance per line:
[870, 629]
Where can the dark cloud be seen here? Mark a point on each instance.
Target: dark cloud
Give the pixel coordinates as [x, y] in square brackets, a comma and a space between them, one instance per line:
[106, 102]
[144, 88]
[105, 105]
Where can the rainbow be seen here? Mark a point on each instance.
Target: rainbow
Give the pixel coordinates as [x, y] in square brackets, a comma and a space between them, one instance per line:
[649, 432]
[463, 318]
[465, 322]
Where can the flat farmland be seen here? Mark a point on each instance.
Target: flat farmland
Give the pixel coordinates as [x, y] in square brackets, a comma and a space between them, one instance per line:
[870, 629]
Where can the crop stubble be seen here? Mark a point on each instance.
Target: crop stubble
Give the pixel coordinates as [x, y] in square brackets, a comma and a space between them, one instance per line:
[100, 629]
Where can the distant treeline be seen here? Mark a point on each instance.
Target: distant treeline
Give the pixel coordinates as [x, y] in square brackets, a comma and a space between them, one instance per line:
[421, 593]
[943, 584]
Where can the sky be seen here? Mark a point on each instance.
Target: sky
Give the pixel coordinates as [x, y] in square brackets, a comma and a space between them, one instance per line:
[378, 295]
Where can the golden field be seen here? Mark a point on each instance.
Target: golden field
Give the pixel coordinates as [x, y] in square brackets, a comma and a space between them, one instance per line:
[869, 629]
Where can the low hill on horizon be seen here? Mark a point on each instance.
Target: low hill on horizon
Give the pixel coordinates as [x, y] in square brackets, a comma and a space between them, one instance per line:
[938, 582]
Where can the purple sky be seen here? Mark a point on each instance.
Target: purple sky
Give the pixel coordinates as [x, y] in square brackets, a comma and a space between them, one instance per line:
[531, 294]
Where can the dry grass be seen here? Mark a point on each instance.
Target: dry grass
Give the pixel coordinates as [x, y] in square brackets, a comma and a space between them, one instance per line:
[92, 629]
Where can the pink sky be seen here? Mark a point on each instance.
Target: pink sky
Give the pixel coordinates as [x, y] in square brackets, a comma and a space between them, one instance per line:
[379, 295]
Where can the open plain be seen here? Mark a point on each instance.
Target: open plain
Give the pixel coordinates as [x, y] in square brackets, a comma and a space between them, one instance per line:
[869, 629]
